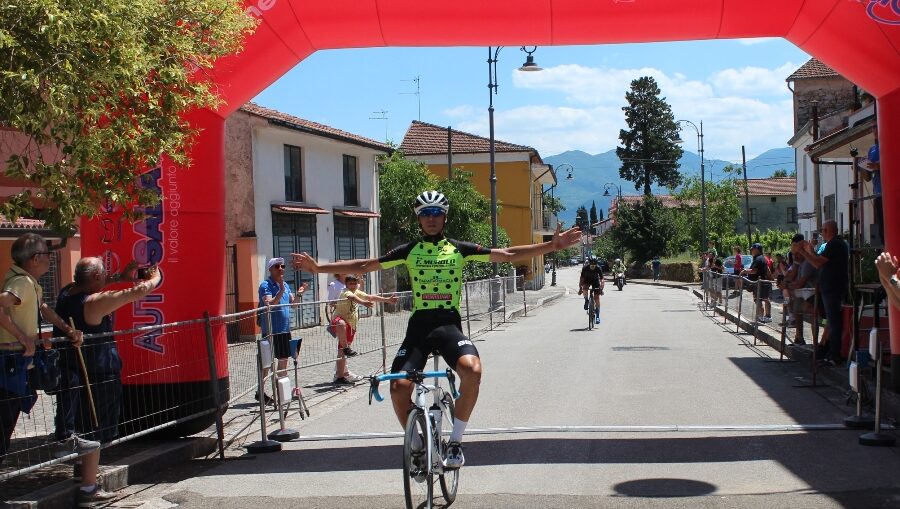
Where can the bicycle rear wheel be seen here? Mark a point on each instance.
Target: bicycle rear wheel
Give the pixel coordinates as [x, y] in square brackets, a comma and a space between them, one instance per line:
[591, 312]
[450, 478]
[418, 477]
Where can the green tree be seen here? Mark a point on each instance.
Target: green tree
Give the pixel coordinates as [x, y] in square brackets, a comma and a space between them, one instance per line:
[649, 153]
[99, 91]
[593, 215]
[779, 173]
[723, 209]
[402, 179]
[581, 217]
[644, 229]
[552, 204]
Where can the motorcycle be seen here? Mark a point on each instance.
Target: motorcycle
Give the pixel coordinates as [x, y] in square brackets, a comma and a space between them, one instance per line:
[619, 280]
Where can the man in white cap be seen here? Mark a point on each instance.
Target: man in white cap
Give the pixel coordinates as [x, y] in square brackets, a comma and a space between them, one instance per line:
[276, 292]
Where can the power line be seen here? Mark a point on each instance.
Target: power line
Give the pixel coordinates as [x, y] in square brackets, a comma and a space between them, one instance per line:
[382, 115]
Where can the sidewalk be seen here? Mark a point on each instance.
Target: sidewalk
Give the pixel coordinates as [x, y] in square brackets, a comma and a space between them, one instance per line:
[769, 334]
[142, 459]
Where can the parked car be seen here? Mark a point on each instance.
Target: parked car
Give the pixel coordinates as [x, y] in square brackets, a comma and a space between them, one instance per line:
[729, 263]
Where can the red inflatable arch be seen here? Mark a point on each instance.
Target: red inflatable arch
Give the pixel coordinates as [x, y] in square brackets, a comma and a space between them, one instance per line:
[858, 38]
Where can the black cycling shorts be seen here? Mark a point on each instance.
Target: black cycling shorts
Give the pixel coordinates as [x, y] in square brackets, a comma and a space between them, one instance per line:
[437, 330]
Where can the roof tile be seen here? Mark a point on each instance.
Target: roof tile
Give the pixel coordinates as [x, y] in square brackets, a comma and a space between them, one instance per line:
[313, 127]
[778, 186]
[423, 138]
[813, 69]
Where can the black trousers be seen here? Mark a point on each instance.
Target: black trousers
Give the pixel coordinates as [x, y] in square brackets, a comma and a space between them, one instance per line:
[10, 407]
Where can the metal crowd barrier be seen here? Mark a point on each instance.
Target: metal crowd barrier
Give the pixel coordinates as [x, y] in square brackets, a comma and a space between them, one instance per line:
[175, 408]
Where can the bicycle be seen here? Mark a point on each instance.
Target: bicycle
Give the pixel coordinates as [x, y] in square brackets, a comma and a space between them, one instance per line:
[591, 311]
[420, 466]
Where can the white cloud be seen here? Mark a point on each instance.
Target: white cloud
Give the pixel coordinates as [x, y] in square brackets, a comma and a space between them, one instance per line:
[753, 81]
[756, 40]
[748, 106]
[461, 111]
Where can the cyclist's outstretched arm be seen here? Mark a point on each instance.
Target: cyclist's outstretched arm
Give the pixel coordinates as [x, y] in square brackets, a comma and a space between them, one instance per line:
[303, 261]
[561, 240]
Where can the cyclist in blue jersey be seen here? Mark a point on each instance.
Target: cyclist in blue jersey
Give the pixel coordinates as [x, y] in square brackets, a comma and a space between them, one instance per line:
[435, 266]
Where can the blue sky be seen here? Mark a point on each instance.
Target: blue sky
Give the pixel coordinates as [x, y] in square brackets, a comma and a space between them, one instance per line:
[736, 87]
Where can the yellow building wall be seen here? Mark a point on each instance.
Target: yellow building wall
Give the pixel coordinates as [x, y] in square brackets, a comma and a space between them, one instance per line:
[514, 188]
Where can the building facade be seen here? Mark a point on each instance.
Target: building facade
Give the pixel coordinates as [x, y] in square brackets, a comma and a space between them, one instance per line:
[770, 204]
[298, 186]
[521, 175]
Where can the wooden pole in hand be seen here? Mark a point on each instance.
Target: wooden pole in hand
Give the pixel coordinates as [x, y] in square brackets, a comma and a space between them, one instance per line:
[87, 381]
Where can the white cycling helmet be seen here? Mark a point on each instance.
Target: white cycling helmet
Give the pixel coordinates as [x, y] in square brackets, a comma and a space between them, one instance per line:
[431, 200]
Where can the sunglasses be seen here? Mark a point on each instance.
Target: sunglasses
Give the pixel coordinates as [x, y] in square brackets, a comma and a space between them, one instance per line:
[431, 212]
[278, 266]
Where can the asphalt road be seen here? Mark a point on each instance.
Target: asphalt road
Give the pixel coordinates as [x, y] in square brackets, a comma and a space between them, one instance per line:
[654, 361]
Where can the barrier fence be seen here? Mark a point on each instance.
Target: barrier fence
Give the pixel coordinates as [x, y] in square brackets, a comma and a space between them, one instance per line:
[152, 403]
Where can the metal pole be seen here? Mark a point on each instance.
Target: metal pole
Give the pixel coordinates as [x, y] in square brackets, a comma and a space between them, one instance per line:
[524, 302]
[383, 341]
[468, 309]
[263, 445]
[877, 438]
[702, 186]
[214, 383]
[746, 194]
[492, 63]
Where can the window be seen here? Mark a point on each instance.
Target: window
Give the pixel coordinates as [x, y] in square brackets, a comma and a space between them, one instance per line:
[829, 207]
[752, 214]
[351, 188]
[351, 238]
[293, 177]
[296, 233]
[792, 214]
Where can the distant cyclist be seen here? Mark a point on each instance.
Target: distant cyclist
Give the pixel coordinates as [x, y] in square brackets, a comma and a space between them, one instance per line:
[619, 267]
[435, 266]
[592, 279]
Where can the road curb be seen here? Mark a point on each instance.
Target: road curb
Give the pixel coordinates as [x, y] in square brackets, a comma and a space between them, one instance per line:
[118, 474]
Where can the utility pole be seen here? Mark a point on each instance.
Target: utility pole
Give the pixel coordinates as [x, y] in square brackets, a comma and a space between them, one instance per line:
[746, 195]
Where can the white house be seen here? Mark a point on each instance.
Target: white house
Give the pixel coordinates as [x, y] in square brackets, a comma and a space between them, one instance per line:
[298, 186]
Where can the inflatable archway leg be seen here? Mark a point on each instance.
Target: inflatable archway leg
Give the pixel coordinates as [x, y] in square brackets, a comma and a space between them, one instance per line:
[889, 147]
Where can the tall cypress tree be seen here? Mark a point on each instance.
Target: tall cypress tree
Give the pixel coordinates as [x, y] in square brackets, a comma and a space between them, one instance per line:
[649, 153]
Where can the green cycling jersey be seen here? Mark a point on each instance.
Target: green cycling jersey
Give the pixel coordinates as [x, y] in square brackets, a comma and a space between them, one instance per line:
[435, 267]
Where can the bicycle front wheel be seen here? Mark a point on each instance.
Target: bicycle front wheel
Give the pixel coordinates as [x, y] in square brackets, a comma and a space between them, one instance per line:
[418, 477]
[590, 313]
[450, 478]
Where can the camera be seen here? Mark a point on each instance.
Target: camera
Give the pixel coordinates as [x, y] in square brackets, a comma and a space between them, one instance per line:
[854, 152]
[145, 272]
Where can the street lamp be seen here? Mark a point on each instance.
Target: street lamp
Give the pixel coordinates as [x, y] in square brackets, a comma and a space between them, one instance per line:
[569, 177]
[699, 131]
[529, 65]
[618, 201]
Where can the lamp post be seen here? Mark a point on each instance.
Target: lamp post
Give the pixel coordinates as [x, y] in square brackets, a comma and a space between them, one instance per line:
[618, 202]
[529, 65]
[699, 131]
[569, 170]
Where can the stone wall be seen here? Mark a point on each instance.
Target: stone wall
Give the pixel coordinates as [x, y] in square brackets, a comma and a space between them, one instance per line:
[239, 208]
[833, 94]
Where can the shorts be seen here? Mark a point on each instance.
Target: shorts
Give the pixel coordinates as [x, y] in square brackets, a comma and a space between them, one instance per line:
[281, 343]
[594, 285]
[765, 289]
[437, 330]
[340, 322]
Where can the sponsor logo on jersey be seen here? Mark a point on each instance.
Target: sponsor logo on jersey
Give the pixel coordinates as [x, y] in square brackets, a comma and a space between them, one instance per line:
[437, 296]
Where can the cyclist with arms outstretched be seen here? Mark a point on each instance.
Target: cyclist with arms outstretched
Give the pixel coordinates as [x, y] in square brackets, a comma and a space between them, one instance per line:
[435, 266]
[591, 282]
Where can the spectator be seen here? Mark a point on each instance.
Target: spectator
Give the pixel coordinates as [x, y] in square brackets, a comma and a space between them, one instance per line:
[738, 269]
[778, 271]
[873, 173]
[334, 291]
[803, 292]
[711, 249]
[21, 307]
[656, 264]
[833, 265]
[345, 320]
[791, 271]
[275, 291]
[90, 309]
[716, 272]
[888, 272]
[759, 272]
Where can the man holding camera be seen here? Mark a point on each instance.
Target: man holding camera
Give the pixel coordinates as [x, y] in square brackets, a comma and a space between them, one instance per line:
[90, 308]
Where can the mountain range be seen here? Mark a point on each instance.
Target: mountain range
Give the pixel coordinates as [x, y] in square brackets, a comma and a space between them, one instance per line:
[592, 172]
